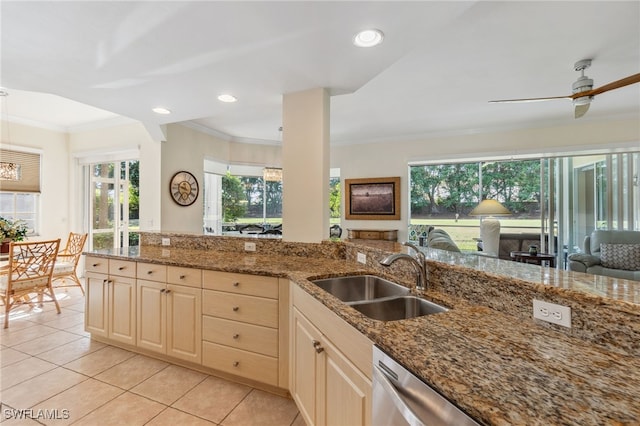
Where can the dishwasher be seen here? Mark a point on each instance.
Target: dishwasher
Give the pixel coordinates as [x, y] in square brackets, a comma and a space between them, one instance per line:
[400, 398]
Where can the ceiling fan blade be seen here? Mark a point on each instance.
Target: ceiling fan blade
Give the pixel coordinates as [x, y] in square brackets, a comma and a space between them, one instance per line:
[635, 78]
[553, 98]
[581, 110]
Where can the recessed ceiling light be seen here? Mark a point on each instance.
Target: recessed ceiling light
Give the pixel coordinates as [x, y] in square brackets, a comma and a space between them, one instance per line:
[160, 110]
[227, 98]
[368, 38]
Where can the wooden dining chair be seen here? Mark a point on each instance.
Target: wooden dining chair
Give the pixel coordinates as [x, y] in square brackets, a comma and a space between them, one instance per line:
[29, 271]
[65, 272]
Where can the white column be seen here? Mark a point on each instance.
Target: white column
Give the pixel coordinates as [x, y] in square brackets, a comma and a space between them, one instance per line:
[305, 165]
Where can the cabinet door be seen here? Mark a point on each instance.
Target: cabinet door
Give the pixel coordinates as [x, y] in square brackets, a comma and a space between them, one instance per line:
[96, 304]
[122, 309]
[345, 390]
[305, 365]
[184, 322]
[151, 313]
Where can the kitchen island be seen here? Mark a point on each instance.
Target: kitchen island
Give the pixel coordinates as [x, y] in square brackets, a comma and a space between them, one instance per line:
[486, 354]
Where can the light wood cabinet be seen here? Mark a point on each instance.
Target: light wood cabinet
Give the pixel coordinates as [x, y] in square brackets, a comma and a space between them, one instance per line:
[169, 315]
[329, 385]
[244, 326]
[110, 310]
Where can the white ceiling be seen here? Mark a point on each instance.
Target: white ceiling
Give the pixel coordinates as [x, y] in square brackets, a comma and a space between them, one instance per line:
[438, 66]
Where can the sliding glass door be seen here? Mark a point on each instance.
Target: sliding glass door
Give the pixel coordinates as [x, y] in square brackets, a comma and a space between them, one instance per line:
[114, 207]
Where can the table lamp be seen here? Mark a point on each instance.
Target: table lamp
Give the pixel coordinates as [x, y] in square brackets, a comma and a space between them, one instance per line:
[489, 225]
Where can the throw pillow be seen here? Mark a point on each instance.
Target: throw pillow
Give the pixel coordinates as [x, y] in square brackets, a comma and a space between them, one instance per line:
[620, 256]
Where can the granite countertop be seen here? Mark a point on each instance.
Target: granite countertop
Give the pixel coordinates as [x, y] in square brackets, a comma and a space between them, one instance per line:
[500, 369]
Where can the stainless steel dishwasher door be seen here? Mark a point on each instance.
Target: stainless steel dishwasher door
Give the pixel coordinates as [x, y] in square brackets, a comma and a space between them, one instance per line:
[400, 398]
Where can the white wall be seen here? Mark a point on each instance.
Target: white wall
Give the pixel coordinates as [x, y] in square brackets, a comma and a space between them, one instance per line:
[391, 158]
[116, 142]
[186, 149]
[56, 212]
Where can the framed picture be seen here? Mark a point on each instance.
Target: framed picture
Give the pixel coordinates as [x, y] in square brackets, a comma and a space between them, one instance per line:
[373, 198]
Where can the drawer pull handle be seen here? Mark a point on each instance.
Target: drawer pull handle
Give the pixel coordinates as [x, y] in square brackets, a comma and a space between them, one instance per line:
[105, 282]
[168, 291]
[236, 284]
[95, 265]
[236, 363]
[317, 346]
[163, 290]
[182, 277]
[236, 336]
[121, 268]
[235, 308]
[149, 272]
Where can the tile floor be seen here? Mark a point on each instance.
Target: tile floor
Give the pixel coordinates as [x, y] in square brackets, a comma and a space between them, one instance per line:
[53, 374]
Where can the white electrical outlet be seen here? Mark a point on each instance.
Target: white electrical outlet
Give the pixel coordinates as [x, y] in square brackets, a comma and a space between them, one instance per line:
[550, 312]
[166, 241]
[249, 246]
[362, 258]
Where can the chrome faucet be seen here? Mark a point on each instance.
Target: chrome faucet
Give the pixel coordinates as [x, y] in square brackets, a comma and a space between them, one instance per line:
[420, 257]
[418, 265]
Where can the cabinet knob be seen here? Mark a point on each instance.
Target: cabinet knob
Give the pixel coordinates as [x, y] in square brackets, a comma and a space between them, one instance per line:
[163, 290]
[235, 308]
[149, 272]
[182, 277]
[235, 336]
[104, 282]
[95, 265]
[236, 284]
[236, 363]
[317, 346]
[168, 291]
[121, 268]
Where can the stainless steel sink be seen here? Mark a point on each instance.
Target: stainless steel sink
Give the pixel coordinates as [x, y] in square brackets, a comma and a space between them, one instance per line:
[361, 288]
[398, 308]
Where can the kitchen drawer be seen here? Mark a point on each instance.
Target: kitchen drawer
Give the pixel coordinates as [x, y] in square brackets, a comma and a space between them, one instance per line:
[240, 335]
[122, 268]
[151, 272]
[254, 285]
[96, 264]
[238, 307]
[190, 277]
[241, 363]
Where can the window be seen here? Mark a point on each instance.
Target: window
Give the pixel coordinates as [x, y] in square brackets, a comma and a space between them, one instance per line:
[21, 206]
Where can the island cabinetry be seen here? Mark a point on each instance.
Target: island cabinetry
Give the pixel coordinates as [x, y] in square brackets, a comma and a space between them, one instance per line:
[169, 310]
[110, 309]
[329, 385]
[241, 326]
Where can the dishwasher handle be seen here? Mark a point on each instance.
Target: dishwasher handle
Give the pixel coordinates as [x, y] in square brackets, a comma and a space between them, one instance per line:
[380, 378]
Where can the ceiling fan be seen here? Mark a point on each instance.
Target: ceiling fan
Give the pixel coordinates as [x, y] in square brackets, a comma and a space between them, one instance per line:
[582, 88]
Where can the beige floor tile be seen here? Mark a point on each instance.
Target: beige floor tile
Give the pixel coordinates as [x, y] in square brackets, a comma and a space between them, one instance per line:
[12, 337]
[9, 356]
[127, 409]
[299, 421]
[14, 417]
[73, 350]
[78, 306]
[23, 370]
[169, 384]
[80, 400]
[213, 399]
[15, 324]
[172, 417]
[30, 392]
[99, 361]
[65, 320]
[46, 343]
[262, 408]
[132, 372]
[79, 330]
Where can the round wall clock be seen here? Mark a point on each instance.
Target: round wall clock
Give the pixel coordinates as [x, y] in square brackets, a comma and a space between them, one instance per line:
[184, 188]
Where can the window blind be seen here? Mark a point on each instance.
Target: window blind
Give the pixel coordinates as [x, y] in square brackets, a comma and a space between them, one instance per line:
[29, 176]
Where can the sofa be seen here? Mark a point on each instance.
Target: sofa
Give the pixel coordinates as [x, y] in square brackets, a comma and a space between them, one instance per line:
[440, 239]
[611, 253]
[517, 241]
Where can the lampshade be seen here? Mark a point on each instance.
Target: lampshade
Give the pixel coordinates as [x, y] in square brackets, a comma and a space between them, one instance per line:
[490, 208]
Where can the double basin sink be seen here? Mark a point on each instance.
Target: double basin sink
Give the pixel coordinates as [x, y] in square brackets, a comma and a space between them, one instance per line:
[378, 298]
